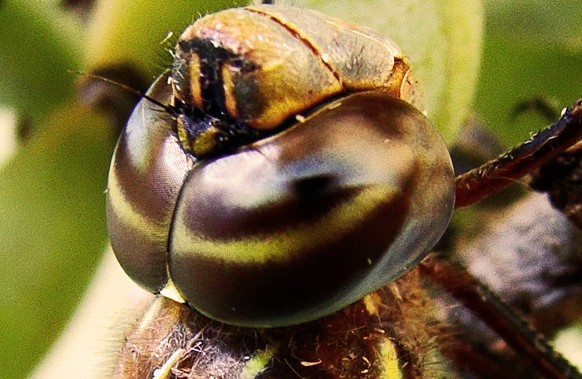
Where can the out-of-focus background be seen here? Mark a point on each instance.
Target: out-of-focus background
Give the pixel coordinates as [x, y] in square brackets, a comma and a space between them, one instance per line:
[55, 149]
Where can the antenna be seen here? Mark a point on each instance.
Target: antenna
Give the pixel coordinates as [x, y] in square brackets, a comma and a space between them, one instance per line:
[127, 88]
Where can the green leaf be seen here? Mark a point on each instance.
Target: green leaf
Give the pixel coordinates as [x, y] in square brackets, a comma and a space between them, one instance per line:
[52, 198]
[52, 207]
[531, 49]
[39, 46]
[130, 31]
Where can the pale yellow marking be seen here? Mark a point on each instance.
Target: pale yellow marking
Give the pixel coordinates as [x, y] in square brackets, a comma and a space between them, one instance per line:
[229, 93]
[371, 302]
[367, 362]
[257, 363]
[389, 358]
[195, 89]
[126, 212]
[204, 142]
[280, 246]
[311, 364]
[171, 292]
[182, 134]
[149, 316]
[395, 291]
[8, 134]
[165, 371]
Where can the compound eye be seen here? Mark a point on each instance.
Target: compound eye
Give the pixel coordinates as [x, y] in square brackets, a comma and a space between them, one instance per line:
[147, 171]
[299, 225]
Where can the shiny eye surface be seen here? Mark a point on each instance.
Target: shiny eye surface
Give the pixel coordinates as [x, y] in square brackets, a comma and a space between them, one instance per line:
[336, 194]
[304, 223]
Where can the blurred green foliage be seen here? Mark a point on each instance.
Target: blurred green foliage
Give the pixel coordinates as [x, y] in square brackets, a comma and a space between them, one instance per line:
[531, 49]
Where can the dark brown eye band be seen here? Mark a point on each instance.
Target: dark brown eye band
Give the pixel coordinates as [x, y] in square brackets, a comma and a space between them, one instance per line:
[332, 201]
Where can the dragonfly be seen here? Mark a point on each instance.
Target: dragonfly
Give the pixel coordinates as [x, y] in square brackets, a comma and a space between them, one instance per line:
[393, 312]
[285, 214]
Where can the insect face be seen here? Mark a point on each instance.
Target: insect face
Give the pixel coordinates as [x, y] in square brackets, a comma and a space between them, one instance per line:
[289, 182]
[257, 67]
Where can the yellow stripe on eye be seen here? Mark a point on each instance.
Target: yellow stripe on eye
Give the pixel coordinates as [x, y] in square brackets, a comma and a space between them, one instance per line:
[122, 207]
[280, 246]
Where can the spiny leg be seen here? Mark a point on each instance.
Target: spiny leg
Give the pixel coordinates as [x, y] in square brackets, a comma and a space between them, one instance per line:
[499, 173]
[484, 181]
[493, 311]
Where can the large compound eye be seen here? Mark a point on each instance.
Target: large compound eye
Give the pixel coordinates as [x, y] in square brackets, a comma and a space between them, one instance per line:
[147, 172]
[290, 228]
[302, 224]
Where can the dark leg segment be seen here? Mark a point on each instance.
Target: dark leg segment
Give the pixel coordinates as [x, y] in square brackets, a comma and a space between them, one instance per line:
[561, 178]
[512, 328]
[499, 173]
